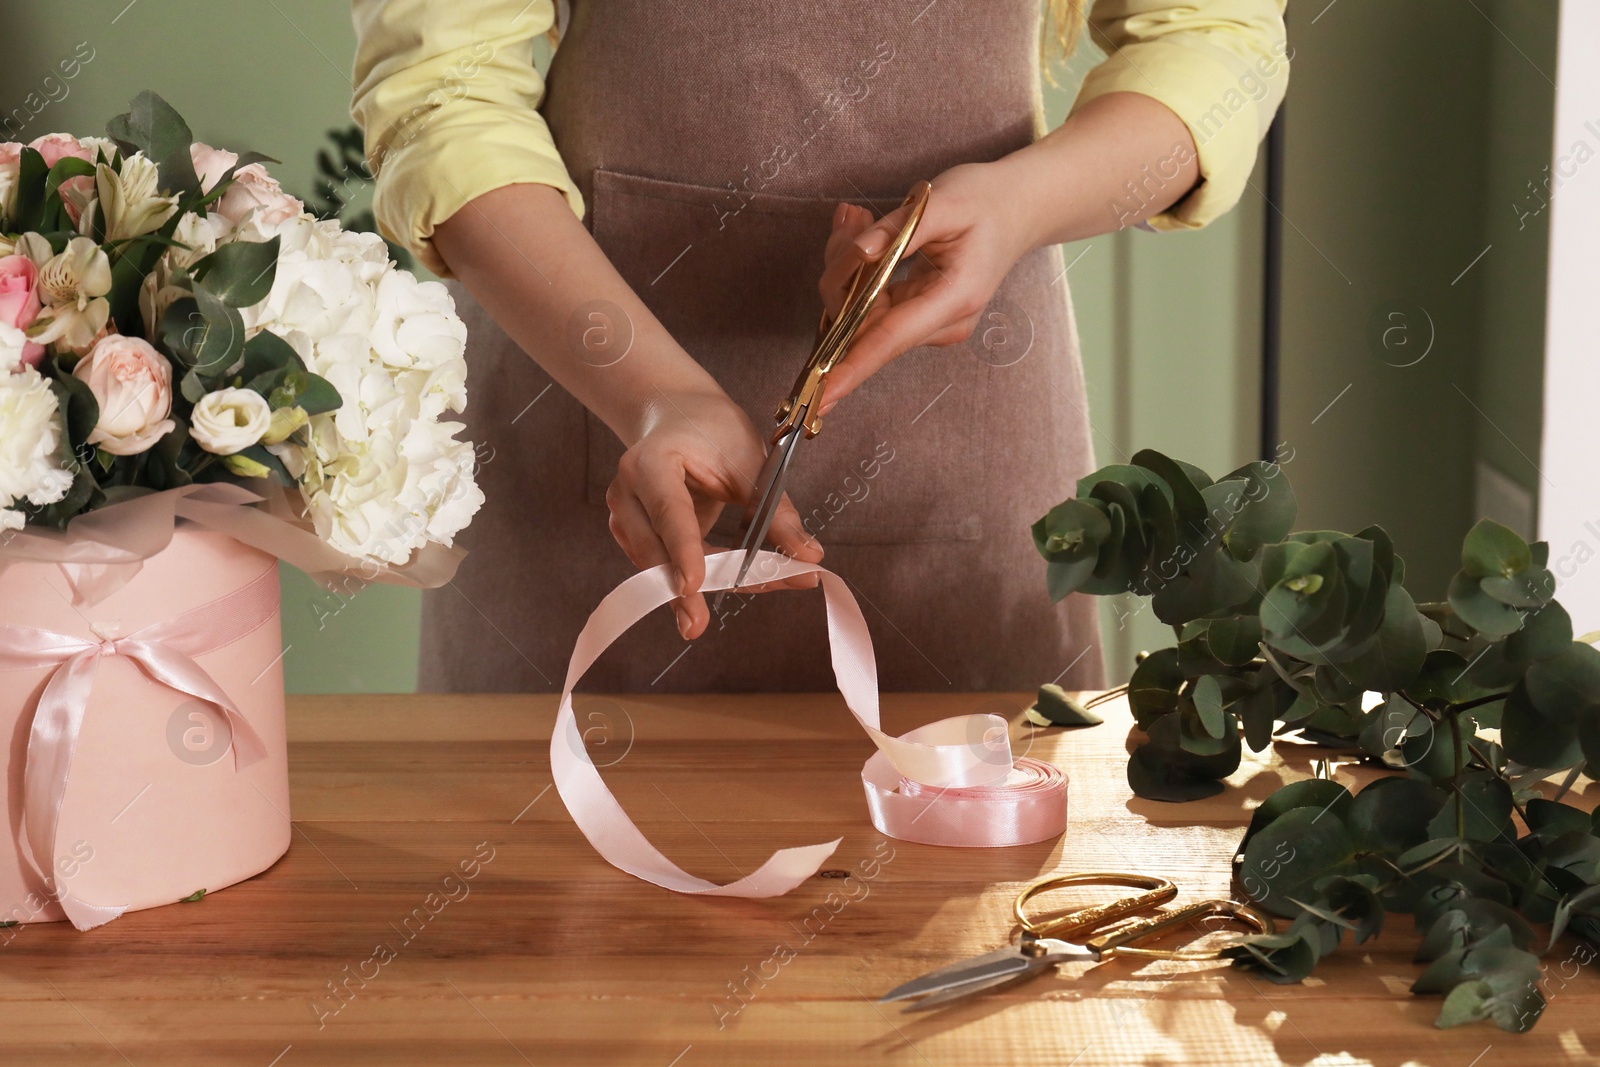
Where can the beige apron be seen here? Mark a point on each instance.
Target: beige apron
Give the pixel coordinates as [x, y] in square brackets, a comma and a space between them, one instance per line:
[712, 143]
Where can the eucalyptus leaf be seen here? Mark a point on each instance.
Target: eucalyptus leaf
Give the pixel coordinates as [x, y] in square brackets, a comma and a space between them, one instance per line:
[1491, 549]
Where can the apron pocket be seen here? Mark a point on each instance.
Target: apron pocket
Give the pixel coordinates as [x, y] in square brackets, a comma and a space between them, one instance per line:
[732, 275]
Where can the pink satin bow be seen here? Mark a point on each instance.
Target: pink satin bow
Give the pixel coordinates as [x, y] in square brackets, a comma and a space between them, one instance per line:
[165, 651]
[951, 782]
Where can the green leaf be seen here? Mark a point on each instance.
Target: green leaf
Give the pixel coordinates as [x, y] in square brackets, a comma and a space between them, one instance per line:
[27, 209]
[1532, 588]
[318, 396]
[1311, 792]
[1397, 656]
[1153, 689]
[1269, 511]
[1392, 814]
[1514, 1009]
[1480, 610]
[1287, 857]
[192, 897]
[1054, 706]
[221, 339]
[1064, 577]
[1492, 549]
[66, 167]
[153, 127]
[1534, 739]
[1563, 685]
[1486, 809]
[1234, 640]
[1545, 633]
[1445, 680]
[1208, 703]
[239, 273]
[1151, 778]
[1162, 768]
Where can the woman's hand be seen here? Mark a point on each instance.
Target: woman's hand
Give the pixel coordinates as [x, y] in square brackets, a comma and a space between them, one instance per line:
[1117, 160]
[969, 238]
[697, 454]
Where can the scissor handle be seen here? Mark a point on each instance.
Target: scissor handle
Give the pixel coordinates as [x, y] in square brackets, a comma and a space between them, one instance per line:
[1065, 925]
[834, 337]
[1121, 941]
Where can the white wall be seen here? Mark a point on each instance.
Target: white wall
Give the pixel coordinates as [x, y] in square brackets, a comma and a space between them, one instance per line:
[1570, 454]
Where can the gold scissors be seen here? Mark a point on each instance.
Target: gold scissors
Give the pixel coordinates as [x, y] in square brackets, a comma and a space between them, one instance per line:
[1043, 943]
[799, 415]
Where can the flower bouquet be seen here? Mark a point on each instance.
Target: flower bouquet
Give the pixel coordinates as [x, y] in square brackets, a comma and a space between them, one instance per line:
[197, 378]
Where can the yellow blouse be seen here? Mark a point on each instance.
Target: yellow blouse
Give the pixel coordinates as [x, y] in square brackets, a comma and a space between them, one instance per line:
[447, 92]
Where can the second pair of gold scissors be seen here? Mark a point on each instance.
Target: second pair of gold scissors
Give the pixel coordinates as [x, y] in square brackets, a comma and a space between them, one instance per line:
[799, 415]
[1043, 942]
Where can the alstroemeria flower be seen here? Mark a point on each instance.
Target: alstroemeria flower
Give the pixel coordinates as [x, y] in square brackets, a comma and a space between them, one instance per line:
[72, 286]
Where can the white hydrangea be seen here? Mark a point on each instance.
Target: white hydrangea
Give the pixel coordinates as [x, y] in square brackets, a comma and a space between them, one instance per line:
[30, 433]
[382, 475]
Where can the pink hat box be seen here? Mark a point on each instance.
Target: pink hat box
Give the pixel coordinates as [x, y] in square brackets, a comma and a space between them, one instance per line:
[154, 807]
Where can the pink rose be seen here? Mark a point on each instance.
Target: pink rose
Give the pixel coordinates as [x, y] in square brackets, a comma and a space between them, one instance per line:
[210, 163]
[133, 384]
[253, 189]
[10, 152]
[55, 147]
[19, 300]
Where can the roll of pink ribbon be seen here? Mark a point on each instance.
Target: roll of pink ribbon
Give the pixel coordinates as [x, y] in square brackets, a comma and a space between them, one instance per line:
[951, 782]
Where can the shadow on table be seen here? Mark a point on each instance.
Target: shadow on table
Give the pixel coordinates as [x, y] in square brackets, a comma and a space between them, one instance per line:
[1404, 1038]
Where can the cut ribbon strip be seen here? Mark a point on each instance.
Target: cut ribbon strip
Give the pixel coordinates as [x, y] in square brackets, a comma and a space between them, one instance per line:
[951, 782]
[165, 651]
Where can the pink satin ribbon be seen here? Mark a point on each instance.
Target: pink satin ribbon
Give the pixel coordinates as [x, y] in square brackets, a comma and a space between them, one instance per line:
[951, 782]
[100, 551]
[165, 651]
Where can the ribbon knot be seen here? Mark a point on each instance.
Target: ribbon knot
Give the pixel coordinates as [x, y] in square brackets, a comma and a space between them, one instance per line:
[165, 652]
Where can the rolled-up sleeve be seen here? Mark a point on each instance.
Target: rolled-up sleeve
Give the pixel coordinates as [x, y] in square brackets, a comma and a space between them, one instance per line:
[446, 94]
[1222, 66]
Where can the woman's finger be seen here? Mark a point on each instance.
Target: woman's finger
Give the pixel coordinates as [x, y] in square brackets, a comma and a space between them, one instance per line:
[634, 530]
[841, 258]
[940, 303]
[875, 239]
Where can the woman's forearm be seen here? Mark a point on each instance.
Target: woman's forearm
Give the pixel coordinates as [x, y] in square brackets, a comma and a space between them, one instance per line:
[1120, 159]
[531, 264]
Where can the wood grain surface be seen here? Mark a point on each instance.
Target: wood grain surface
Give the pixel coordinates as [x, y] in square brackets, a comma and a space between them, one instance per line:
[438, 906]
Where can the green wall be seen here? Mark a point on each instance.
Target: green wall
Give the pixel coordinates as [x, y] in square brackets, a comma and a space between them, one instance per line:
[1411, 128]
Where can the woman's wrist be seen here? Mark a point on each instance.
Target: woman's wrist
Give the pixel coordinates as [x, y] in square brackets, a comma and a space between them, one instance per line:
[1118, 160]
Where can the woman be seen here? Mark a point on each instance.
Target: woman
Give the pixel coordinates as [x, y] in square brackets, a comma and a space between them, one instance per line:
[728, 161]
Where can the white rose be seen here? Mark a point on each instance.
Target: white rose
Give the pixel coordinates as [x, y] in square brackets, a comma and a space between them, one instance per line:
[132, 383]
[416, 323]
[30, 434]
[229, 420]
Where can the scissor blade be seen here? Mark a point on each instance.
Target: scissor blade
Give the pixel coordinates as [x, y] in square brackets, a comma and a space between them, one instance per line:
[972, 989]
[1002, 963]
[770, 481]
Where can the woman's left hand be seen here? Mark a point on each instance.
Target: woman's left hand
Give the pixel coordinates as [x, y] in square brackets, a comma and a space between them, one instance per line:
[970, 235]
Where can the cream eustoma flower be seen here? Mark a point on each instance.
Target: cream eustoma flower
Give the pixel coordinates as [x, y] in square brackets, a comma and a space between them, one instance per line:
[130, 201]
[229, 420]
[72, 288]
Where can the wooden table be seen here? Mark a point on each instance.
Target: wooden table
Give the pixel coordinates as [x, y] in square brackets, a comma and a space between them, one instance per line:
[370, 944]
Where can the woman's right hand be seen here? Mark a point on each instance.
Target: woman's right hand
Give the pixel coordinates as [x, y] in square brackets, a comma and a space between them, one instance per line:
[698, 453]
